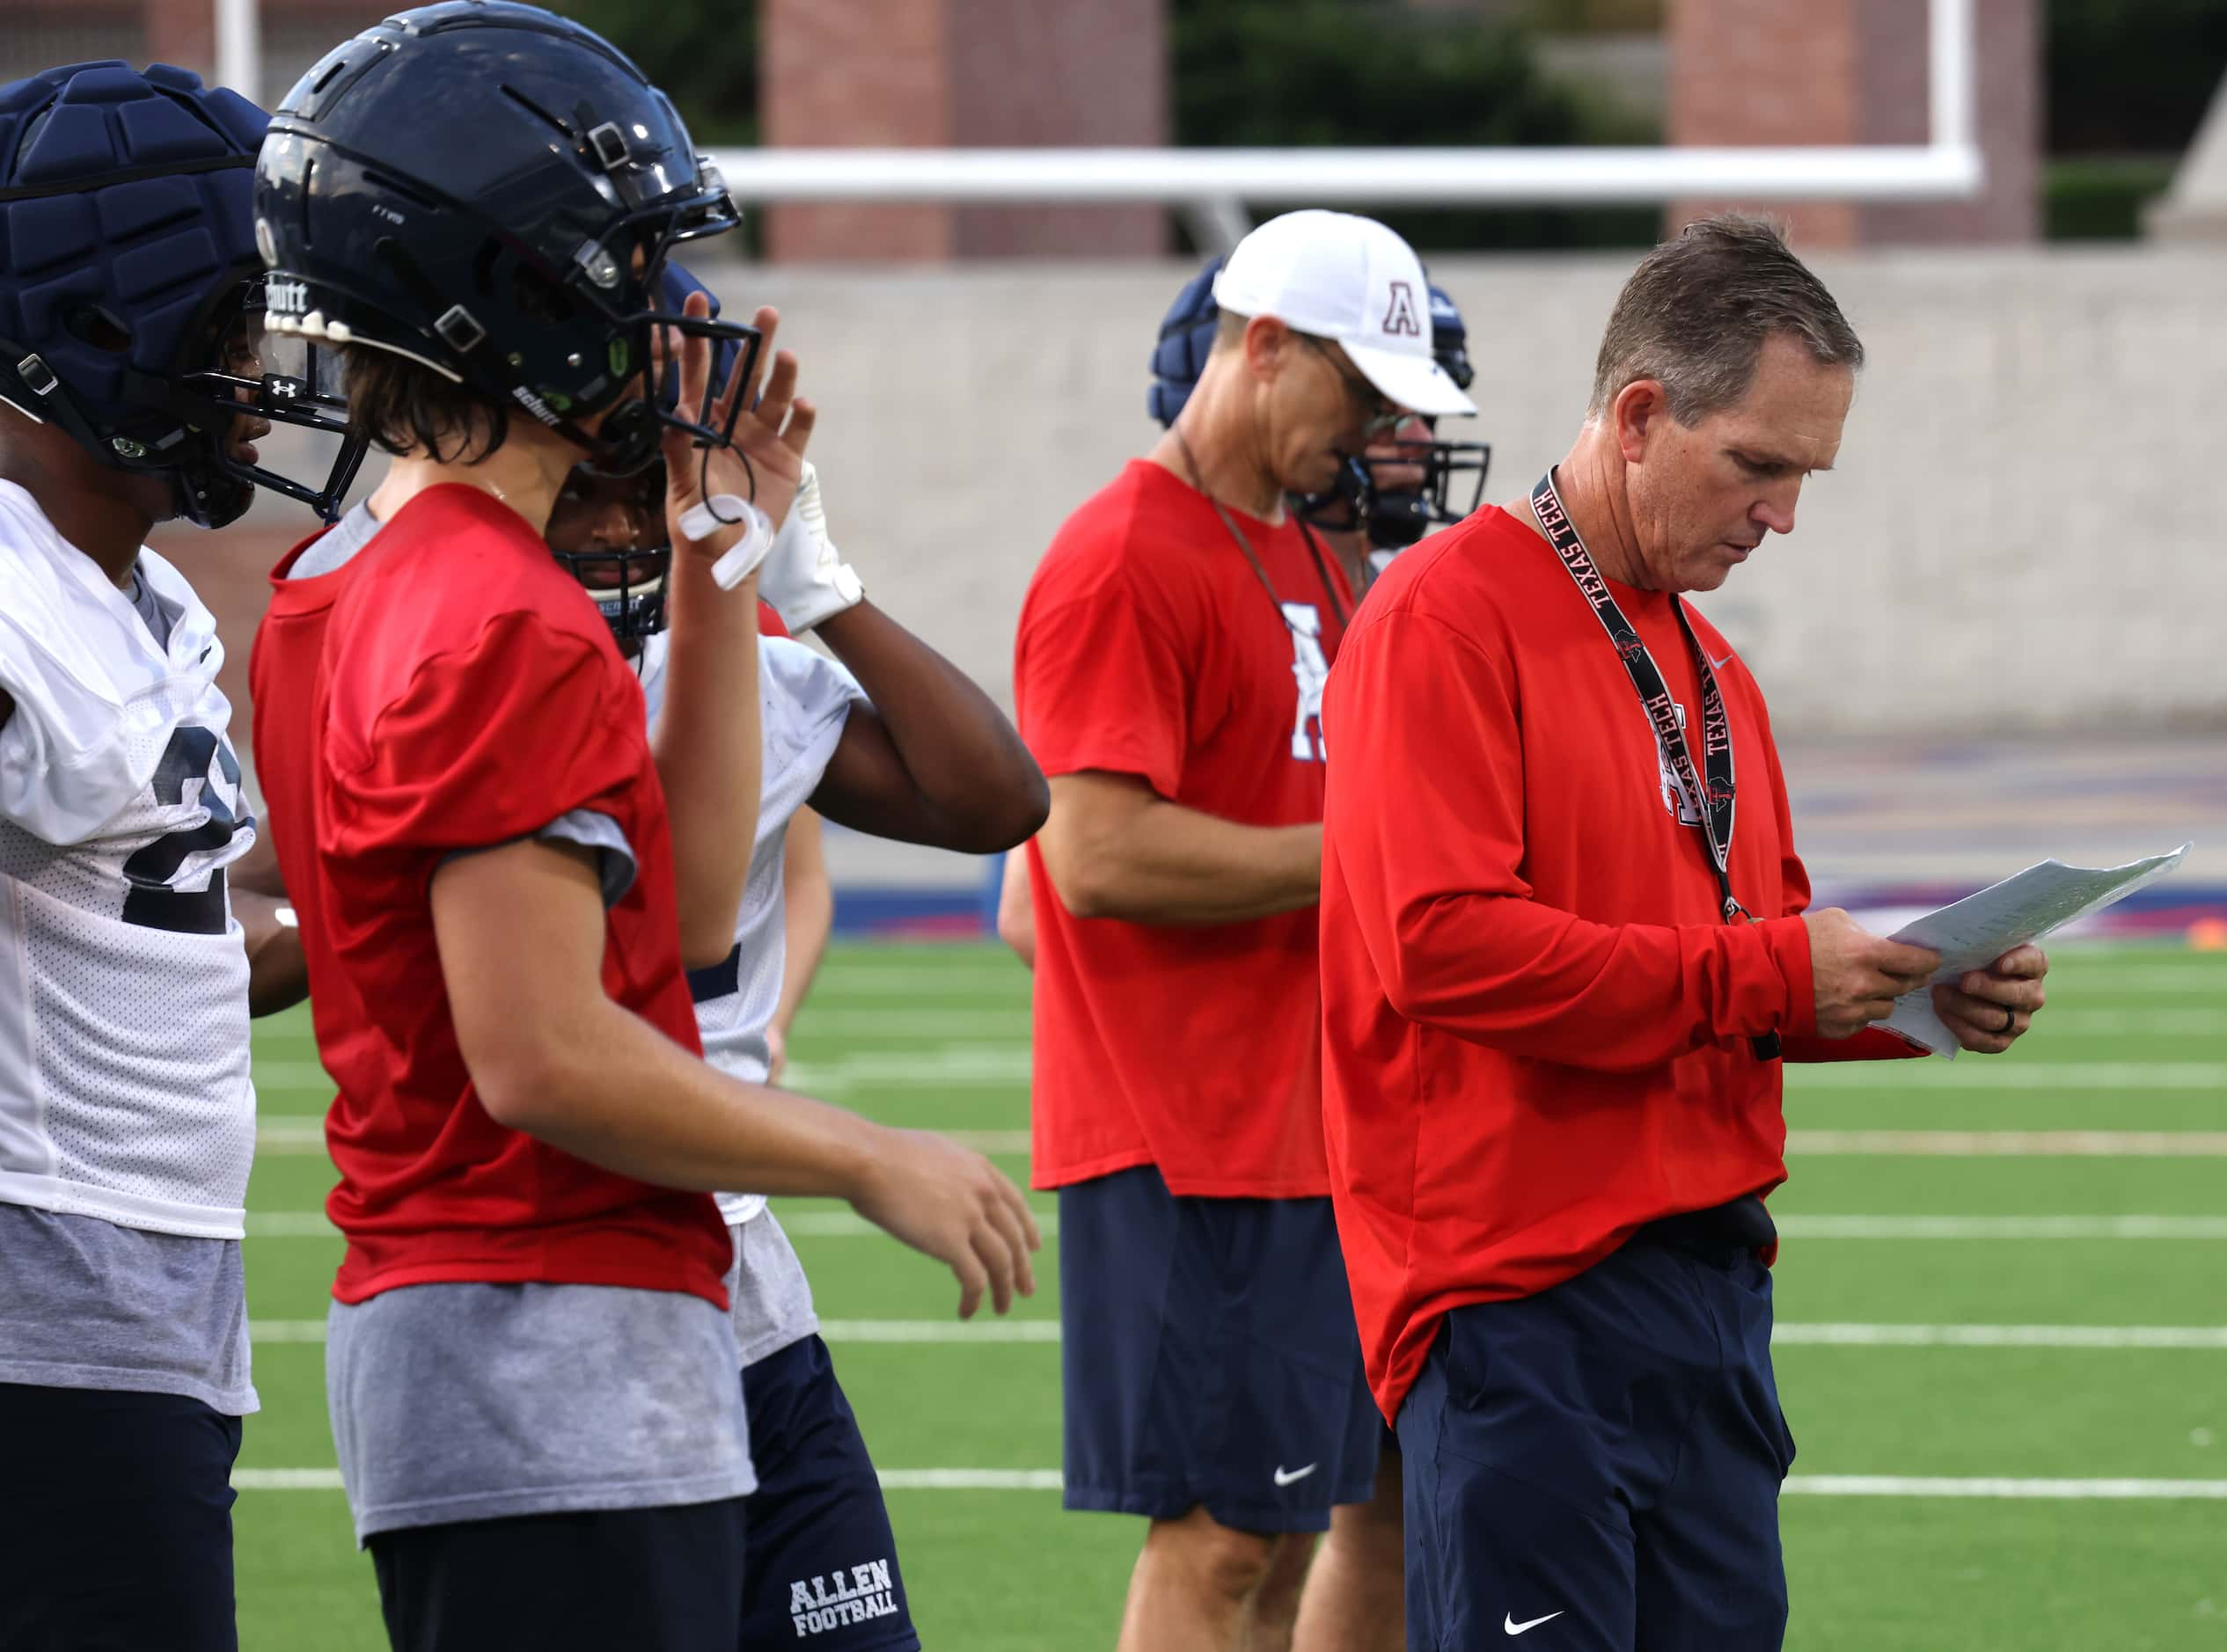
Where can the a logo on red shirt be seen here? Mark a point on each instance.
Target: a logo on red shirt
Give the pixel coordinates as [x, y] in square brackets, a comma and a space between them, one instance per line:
[1310, 668]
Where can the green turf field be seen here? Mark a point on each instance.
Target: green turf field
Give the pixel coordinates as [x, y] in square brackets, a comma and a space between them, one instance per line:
[2013, 1425]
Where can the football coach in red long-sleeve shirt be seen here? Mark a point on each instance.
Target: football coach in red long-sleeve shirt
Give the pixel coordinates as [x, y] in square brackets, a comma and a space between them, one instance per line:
[1553, 1035]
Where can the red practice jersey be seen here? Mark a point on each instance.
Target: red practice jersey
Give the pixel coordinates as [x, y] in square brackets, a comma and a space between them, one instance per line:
[1149, 646]
[1537, 1023]
[451, 688]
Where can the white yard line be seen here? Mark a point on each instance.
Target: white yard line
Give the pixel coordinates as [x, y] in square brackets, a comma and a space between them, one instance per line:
[2135, 1023]
[1972, 1074]
[291, 1075]
[945, 1066]
[1045, 1479]
[1926, 1485]
[2010, 1144]
[981, 1065]
[1794, 1334]
[964, 1066]
[2190, 980]
[286, 1480]
[2003, 1227]
[954, 978]
[284, 1135]
[1001, 1027]
[2076, 1336]
[286, 1330]
[981, 1330]
[843, 1225]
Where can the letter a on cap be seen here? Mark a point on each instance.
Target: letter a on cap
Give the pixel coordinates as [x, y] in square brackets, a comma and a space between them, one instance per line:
[1399, 315]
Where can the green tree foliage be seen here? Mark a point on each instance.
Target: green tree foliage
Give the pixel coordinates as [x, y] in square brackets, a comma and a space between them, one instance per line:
[1300, 73]
[2131, 76]
[703, 53]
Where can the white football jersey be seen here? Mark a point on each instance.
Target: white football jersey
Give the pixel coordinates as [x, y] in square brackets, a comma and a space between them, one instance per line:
[804, 700]
[124, 1088]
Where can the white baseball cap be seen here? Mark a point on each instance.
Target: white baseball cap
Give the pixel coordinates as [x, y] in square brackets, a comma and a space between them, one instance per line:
[1349, 279]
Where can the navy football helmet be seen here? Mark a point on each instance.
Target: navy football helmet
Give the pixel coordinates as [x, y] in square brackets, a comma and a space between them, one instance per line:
[492, 190]
[1396, 517]
[1453, 484]
[131, 296]
[628, 579]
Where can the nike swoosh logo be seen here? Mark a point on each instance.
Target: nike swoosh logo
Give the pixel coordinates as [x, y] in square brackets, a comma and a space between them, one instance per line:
[1282, 1479]
[1721, 664]
[1512, 1627]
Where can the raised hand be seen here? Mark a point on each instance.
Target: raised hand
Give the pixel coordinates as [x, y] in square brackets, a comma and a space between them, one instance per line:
[1858, 975]
[772, 433]
[955, 1205]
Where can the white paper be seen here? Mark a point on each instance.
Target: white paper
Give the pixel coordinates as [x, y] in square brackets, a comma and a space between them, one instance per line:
[1975, 932]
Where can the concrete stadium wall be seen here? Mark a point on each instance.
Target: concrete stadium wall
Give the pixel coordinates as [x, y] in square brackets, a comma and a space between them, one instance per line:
[2024, 530]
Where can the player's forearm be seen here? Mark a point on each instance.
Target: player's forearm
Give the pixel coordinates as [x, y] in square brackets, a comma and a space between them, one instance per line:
[608, 1087]
[278, 976]
[808, 916]
[976, 788]
[1017, 910]
[1156, 862]
[709, 752]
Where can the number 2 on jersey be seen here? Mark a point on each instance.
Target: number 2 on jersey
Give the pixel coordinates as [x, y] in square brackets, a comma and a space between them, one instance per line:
[152, 903]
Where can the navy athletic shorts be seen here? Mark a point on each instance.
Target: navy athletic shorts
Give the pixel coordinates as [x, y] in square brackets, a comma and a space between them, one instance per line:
[1210, 1357]
[1598, 1465]
[116, 1528]
[822, 1564]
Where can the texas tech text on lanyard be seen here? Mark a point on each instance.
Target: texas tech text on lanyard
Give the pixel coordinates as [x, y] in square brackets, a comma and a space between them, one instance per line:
[1716, 800]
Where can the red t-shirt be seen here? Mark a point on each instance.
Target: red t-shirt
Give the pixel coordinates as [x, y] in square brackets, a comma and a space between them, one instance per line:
[1147, 647]
[1535, 1020]
[451, 688]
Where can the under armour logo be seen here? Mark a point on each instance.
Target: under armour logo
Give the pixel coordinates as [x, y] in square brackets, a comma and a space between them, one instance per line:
[1400, 315]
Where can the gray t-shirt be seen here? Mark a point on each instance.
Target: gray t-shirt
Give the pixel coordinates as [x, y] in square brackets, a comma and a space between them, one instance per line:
[771, 1299]
[478, 1401]
[457, 1402]
[86, 1304]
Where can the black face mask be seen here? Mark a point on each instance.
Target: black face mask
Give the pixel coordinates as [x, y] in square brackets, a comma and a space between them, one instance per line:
[1452, 488]
[290, 382]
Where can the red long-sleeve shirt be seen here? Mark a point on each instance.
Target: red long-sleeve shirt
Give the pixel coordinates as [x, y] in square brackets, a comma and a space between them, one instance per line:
[1537, 1023]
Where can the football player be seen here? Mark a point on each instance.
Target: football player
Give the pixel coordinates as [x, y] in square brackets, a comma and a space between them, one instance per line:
[940, 765]
[135, 384]
[503, 879]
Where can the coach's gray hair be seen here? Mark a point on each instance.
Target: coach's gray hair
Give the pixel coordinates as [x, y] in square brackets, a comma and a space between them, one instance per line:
[1695, 312]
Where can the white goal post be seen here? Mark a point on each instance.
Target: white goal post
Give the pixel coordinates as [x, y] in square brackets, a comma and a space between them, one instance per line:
[1947, 166]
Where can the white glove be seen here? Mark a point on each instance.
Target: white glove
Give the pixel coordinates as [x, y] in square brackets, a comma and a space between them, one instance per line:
[803, 576]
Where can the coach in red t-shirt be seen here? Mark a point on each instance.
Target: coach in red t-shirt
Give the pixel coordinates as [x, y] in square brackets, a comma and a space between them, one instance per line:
[1553, 1037]
[1169, 672]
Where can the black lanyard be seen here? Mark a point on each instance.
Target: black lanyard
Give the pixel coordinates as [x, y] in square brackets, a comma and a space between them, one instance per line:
[1314, 546]
[1716, 799]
